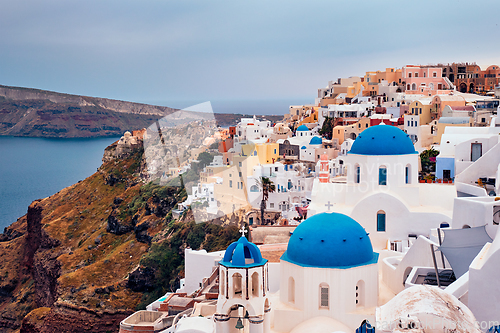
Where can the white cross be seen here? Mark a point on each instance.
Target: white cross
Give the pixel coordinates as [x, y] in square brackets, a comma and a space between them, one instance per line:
[329, 205]
[243, 231]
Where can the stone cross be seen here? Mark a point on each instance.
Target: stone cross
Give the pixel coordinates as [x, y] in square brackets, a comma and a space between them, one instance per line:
[243, 231]
[329, 205]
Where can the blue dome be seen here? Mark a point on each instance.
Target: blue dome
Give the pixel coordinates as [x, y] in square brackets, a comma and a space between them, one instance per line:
[330, 240]
[302, 128]
[382, 140]
[242, 254]
[316, 140]
[303, 147]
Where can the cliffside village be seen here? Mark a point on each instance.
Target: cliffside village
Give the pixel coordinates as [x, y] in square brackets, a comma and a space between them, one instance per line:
[378, 203]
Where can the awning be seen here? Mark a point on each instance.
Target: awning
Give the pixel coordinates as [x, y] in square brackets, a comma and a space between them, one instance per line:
[461, 246]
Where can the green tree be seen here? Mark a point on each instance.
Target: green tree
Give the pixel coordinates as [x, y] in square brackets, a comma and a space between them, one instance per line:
[267, 186]
[428, 160]
[327, 128]
[204, 159]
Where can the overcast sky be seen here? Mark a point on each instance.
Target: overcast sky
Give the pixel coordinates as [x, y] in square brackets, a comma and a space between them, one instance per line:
[157, 51]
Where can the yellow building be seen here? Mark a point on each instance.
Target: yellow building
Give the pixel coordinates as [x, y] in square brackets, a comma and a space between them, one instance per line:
[267, 152]
[422, 108]
[338, 133]
[231, 193]
[312, 118]
[363, 124]
[444, 122]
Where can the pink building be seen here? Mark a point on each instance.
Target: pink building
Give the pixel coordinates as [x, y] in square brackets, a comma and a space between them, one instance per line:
[425, 80]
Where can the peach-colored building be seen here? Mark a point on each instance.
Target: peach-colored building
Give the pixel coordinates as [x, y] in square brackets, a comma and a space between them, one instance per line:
[372, 79]
[425, 80]
[440, 101]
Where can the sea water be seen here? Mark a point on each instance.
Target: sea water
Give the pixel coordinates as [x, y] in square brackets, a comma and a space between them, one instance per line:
[34, 168]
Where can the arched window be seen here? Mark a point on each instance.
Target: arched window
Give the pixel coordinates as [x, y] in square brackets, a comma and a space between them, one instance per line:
[254, 188]
[237, 285]
[408, 86]
[255, 284]
[413, 86]
[222, 283]
[382, 175]
[357, 173]
[291, 290]
[408, 174]
[381, 221]
[324, 296]
[360, 293]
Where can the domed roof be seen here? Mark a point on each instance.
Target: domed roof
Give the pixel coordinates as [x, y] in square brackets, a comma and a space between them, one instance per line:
[242, 253]
[303, 147]
[316, 140]
[330, 240]
[302, 128]
[382, 140]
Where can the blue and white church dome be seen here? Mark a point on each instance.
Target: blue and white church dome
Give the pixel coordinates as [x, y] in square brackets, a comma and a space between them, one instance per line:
[330, 240]
[316, 140]
[242, 253]
[383, 140]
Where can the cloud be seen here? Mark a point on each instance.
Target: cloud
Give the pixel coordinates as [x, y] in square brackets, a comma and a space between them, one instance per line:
[160, 50]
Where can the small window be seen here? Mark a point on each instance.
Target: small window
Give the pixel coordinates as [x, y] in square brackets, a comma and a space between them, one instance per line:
[382, 176]
[239, 164]
[434, 74]
[324, 297]
[271, 205]
[358, 174]
[275, 151]
[416, 74]
[381, 221]
[407, 174]
[230, 183]
[409, 74]
[239, 173]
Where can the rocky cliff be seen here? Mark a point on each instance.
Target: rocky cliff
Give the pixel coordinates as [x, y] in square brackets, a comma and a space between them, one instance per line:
[86, 257]
[40, 113]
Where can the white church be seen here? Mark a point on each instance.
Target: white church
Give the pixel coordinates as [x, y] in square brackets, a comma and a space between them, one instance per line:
[382, 191]
[328, 281]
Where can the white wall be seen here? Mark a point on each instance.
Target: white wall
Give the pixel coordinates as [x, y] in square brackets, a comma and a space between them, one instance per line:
[199, 265]
[342, 295]
[485, 166]
[475, 212]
